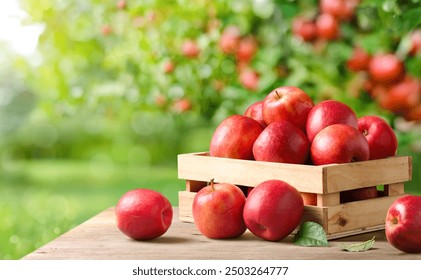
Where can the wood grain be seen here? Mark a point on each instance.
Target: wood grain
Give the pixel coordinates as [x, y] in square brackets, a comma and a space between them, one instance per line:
[323, 179]
[99, 238]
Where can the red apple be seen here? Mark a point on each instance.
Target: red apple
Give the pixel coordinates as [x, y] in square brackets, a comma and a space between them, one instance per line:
[309, 198]
[255, 111]
[249, 79]
[341, 9]
[339, 143]
[304, 29]
[106, 30]
[168, 67]
[143, 214]
[326, 113]
[403, 224]
[281, 141]
[273, 210]
[327, 27]
[218, 211]
[181, 105]
[380, 136]
[359, 60]
[287, 103]
[385, 68]
[400, 96]
[358, 194]
[121, 4]
[234, 137]
[190, 49]
[246, 49]
[230, 39]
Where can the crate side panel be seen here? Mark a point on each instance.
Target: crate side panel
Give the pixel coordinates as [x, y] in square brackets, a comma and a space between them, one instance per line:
[341, 177]
[249, 173]
[358, 215]
[185, 204]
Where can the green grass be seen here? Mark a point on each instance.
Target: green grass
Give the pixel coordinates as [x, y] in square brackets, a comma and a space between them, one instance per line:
[39, 200]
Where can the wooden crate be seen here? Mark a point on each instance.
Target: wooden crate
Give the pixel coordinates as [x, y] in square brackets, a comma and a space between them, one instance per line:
[327, 181]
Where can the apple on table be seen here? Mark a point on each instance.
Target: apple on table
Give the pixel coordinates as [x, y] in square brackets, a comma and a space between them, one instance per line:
[403, 224]
[218, 211]
[273, 210]
[143, 214]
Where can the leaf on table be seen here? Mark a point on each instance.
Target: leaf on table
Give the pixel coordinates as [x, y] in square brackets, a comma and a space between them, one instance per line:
[311, 235]
[359, 247]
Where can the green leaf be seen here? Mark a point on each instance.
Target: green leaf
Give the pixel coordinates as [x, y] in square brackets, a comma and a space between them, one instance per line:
[359, 247]
[311, 235]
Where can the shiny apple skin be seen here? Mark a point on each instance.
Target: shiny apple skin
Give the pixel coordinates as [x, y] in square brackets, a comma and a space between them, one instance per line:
[287, 103]
[218, 211]
[273, 210]
[381, 138]
[339, 143]
[403, 224]
[234, 138]
[143, 214]
[326, 113]
[282, 141]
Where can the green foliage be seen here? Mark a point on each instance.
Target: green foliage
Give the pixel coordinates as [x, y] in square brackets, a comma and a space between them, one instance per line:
[103, 82]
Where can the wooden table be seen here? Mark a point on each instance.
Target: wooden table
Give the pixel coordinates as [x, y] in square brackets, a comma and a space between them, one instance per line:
[100, 239]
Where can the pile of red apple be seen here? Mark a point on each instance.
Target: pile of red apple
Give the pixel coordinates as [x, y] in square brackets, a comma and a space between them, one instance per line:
[287, 127]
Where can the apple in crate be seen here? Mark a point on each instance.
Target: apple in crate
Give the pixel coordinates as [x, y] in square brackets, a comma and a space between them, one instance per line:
[255, 111]
[287, 103]
[282, 141]
[380, 136]
[143, 214]
[326, 113]
[358, 194]
[218, 211]
[339, 143]
[403, 224]
[234, 138]
[273, 210]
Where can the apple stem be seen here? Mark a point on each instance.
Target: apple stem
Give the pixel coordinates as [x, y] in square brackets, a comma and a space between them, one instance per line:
[212, 185]
[277, 93]
[365, 132]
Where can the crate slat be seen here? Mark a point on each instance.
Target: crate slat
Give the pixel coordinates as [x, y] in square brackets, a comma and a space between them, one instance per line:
[305, 178]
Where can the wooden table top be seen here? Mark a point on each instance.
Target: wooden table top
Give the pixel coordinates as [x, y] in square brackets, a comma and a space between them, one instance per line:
[99, 239]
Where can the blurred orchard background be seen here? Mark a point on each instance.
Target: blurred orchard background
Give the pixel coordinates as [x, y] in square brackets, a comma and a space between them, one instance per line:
[98, 97]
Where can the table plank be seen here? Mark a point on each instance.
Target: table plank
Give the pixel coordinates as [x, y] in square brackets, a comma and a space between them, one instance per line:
[99, 239]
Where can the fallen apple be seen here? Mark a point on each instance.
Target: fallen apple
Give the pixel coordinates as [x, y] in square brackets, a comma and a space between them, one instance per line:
[143, 214]
[403, 224]
[273, 210]
[218, 211]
